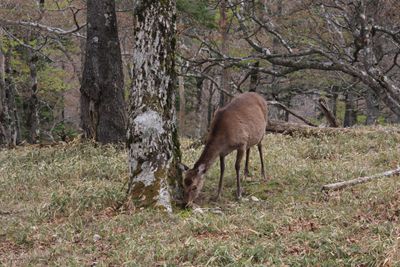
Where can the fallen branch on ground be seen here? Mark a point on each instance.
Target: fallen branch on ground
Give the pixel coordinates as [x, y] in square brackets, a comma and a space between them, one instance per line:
[282, 127]
[360, 180]
[292, 112]
[275, 126]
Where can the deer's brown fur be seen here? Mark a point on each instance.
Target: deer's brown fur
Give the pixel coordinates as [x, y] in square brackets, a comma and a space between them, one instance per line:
[237, 126]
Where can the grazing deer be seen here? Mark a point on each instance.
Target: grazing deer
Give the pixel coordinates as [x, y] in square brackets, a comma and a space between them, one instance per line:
[237, 126]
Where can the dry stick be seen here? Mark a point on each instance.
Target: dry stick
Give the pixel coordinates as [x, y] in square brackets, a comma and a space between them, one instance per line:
[292, 112]
[328, 114]
[360, 180]
[282, 127]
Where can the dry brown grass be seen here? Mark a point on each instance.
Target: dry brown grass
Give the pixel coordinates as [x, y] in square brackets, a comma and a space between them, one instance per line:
[56, 208]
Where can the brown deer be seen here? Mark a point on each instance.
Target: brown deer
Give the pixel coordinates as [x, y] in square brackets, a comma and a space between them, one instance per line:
[237, 126]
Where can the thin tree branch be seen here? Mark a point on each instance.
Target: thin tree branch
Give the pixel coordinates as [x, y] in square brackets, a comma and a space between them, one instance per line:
[360, 180]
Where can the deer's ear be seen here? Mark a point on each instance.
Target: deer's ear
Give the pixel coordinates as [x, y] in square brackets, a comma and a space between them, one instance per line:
[202, 169]
[183, 167]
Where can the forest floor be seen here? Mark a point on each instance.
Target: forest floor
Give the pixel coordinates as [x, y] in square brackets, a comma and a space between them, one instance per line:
[56, 208]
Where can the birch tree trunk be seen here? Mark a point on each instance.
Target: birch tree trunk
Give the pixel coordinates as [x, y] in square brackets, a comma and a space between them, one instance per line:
[103, 114]
[153, 142]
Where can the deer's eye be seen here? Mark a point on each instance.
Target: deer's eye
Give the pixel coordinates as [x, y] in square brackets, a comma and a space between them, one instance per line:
[188, 182]
[194, 188]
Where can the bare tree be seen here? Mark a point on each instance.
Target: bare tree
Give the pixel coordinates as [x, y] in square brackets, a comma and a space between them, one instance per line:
[340, 36]
[152, 135]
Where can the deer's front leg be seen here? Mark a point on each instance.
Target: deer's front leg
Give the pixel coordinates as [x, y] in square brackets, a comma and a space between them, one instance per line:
[221, 176]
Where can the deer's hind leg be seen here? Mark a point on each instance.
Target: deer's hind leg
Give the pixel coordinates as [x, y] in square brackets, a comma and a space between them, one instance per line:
[246, 166]
[259, 146]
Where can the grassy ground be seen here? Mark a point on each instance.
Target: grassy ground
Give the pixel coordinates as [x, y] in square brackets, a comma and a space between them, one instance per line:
[55, 209]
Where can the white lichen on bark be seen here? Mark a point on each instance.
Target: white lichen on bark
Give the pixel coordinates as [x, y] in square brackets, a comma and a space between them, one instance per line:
[149, 122]
[164, 198]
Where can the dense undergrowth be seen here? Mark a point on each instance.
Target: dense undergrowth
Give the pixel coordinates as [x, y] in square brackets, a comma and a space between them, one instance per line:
[56, 208]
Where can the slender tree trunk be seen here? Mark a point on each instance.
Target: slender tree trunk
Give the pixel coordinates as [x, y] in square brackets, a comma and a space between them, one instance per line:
[372, 109]
[210, 109]
[182, 104]
[9, 130]
[254, 78]
[199, 88]
[153, 143]
[223, 24]
[15, 128]
[103, 113]
[333, 100]
[350, 115]
[32, 112]
[5, 138]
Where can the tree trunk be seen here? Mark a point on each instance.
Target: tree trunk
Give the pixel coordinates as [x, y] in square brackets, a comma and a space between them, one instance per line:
[103, 113]
[210, 105]
[372, 110]
[350, 115]
[329, 115]
[153, 143]
[199, 88]
[254, 77]
[32, 112]
[182, 103]
[333, 100]
[223, 24]
[15, 129]
[5, 138]
[9, 131]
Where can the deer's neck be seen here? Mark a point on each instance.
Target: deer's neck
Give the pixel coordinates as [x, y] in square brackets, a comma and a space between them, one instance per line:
[208, 156]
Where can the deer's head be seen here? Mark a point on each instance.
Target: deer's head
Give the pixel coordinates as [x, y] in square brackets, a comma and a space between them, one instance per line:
[193, 183]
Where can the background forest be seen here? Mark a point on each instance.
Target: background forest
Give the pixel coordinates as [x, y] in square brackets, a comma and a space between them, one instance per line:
[294, 52]
[78, 78]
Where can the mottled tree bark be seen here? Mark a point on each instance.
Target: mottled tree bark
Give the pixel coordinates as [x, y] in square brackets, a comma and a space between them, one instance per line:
[103, 113]
[32, 113]
[9, 130]
[153, 142]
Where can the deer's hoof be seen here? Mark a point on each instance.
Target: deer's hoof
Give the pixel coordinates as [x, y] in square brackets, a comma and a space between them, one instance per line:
[239, 195]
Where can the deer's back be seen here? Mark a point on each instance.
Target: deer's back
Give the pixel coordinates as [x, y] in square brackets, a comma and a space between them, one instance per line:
[241, 122]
